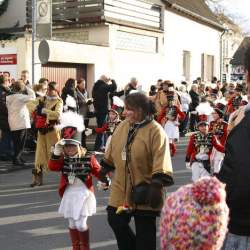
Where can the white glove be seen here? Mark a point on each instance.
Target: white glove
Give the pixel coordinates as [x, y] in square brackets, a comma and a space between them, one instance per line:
[59, 147]
[176, 123]
[102, 186]
[88, 131]
[188, 165]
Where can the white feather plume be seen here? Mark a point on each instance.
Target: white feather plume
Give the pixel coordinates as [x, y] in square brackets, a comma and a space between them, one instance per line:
[70, 101]
[71, 119]
[118, 101]
[204, 108]
[245, 98]
[213, 86]
[222, 101]
[134, 91]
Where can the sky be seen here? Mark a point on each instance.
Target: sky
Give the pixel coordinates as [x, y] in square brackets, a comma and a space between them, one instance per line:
[239, 8]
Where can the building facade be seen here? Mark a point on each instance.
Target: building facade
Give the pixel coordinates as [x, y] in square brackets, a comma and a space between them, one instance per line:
[148, 39]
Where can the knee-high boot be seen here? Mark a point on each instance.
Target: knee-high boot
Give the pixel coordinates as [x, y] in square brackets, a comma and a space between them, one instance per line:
[84, 240]
[34, 178]
[40, 178]
[172, 149]
[74, 235]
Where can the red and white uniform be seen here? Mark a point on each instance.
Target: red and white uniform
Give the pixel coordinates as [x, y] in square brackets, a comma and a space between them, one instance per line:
[169, 118]
[108, 128]
[78, 199]
[199, 152]
[218, 128]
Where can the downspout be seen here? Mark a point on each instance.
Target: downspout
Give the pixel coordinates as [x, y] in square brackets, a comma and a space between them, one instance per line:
[221, 53]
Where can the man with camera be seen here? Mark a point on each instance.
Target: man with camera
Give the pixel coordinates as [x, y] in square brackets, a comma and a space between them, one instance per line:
[100, 94]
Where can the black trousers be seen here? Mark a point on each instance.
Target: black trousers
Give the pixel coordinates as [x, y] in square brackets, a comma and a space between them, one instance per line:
[184, 123]
[145, 227]
[100, 119]
[193, 121]
[86, 124]
[18, 137]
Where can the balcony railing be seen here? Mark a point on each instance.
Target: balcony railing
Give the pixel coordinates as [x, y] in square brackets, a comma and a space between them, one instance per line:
[129, 12]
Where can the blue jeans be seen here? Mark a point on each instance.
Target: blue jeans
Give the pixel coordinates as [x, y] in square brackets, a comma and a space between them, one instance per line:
[236, 242]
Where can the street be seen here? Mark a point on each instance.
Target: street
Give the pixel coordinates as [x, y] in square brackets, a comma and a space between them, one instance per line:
[29, 218]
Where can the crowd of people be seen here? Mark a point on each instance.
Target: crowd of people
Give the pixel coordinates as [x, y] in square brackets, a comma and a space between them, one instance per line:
[138, 135]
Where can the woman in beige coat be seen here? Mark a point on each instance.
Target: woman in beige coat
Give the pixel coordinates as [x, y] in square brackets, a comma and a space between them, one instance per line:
[47, 112]
[139, 154]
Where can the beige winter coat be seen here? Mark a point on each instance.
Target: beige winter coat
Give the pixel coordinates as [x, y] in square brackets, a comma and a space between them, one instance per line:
[149, 155]
[46, 141]
[236, 117]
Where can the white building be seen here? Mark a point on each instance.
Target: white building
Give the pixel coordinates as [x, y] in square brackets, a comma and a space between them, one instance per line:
[149, 39]
[231, 40]
[237, 62]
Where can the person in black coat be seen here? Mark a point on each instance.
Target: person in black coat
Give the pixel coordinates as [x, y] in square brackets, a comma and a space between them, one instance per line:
[100, 94]
[192, 108]
[235, 173]
[5, 134]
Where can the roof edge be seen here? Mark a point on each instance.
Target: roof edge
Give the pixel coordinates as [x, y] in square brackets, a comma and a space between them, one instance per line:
[194, 15]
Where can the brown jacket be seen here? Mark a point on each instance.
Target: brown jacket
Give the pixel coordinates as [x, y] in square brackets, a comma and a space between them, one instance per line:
[161, 101]
[149, 156]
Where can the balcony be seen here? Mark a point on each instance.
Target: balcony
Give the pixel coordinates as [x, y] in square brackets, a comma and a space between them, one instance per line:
[135, 13]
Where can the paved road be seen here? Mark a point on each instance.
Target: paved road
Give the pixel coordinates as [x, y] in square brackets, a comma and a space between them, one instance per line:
[29, 219]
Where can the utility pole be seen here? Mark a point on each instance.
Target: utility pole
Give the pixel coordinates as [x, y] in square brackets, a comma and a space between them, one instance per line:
[34, 15]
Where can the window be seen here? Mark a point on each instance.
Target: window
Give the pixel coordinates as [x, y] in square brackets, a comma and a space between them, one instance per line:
[207, 67]
[186, 59]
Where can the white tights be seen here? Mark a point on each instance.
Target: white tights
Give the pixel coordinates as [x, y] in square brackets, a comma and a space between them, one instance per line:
[80, 224]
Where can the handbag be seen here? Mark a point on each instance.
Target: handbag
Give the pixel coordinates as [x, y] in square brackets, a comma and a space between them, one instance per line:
[140, 193]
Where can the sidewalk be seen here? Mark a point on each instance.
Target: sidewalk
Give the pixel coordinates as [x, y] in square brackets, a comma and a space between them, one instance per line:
[29, 156]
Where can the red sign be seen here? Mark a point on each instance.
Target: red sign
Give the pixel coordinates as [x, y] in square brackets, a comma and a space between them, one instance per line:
[8, 59]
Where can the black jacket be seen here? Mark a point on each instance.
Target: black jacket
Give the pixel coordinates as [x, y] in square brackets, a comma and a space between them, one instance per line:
[4, 124]
[100, 94]
[235, 172]
[195, 100]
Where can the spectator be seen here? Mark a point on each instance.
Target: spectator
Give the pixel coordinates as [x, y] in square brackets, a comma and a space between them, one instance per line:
[185, 102]
[5, 134]
[84, 101]
[25, 78]
[43, 81]
[6, 75]
[224, 88]
[159, 84]
[40, 89]
[201, 89]
[131, 86]
[152, 91]
[235, 173]
[192, 107]
[100, 93]
[18, 117]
